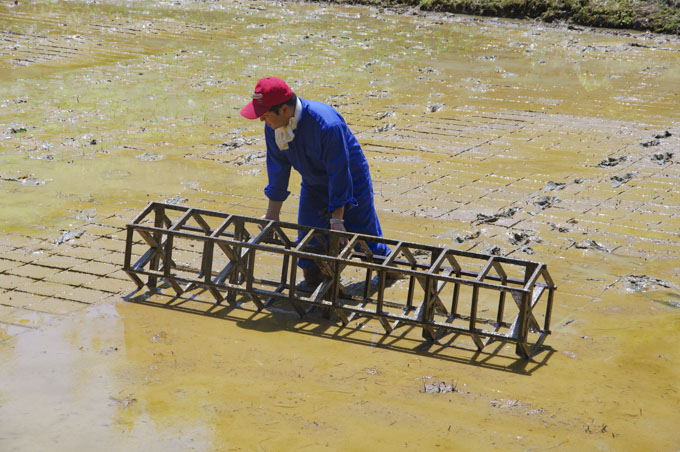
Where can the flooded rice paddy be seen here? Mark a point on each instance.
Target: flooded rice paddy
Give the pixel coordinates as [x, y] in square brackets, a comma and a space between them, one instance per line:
[505, 137]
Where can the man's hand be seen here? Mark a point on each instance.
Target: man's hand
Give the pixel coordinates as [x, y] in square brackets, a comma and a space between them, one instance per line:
[340, 226]
[270, 234]
[273, 210]
[273, 213]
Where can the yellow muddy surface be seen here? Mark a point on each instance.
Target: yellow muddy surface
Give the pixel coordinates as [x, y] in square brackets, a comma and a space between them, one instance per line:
[106, 106]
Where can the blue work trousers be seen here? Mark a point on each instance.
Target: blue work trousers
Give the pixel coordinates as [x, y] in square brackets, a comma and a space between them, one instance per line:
[362, 218]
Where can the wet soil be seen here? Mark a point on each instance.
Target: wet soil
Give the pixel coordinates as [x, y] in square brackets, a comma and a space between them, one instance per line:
[485, 135]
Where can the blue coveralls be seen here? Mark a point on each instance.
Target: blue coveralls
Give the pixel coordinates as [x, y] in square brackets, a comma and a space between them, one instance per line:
[334, 173]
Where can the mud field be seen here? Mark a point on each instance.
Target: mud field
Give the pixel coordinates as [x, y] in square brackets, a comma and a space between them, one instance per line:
[502, 137]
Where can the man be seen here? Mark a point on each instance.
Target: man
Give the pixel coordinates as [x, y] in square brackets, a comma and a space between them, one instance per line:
[336, 190]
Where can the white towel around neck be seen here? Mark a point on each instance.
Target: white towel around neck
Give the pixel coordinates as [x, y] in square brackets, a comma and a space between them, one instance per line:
[284, 135]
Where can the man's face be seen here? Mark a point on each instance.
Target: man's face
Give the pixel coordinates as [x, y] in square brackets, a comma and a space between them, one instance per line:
[276, 120]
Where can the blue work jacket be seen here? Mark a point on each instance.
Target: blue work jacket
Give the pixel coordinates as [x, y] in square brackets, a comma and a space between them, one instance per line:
[325, 153]
[334, 172]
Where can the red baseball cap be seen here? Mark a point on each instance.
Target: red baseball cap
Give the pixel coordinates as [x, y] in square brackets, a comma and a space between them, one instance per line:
[269, 91]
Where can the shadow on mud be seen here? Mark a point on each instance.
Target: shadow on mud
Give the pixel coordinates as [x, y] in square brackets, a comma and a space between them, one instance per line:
[320, 322]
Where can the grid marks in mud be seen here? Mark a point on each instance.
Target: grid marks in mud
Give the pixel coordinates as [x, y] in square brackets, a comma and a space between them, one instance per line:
[89, 39]
[450, 166]
[40, 280]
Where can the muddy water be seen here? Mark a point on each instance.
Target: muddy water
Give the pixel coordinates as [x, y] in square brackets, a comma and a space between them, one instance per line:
[107, 106]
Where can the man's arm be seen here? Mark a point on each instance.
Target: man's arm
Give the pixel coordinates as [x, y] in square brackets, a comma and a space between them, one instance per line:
[337, 222]
[278, 174]
[273, 210]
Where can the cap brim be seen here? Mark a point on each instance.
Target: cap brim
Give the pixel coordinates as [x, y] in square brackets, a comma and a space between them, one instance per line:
[252, 111]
